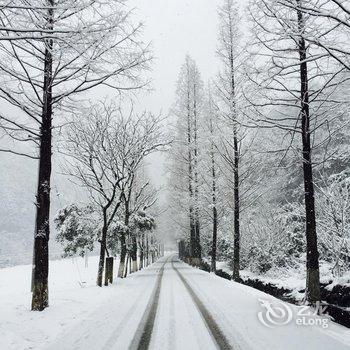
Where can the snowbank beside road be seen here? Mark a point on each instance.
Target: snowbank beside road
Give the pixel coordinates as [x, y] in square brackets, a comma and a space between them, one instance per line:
[73, 295]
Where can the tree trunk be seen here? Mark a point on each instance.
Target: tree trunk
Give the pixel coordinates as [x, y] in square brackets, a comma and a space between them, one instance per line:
[40, 296]
[312, 264]
[123, 250]
[197, 258]
[147, 252]
[134, 254]
[192, 235]
[152, 250]
[122, 256]
[125, 271]
[181, 250]
[141, 258]
[190, 175]
[215, 213]
[109, 271]
[198, 251]
[237, 235]
[158, 252]
[191, 210]
[103, 246]
[142, 251]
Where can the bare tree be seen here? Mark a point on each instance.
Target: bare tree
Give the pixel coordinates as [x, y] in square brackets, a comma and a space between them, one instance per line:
[142, 135]
[98, 165]
[332, 20]
[294, 92]
[185, 151]
[140, 197]
[212, 113]
[145, 197]
[229, 53]
[49, 52]
[143, 225]
[332, 205]
[107, 148]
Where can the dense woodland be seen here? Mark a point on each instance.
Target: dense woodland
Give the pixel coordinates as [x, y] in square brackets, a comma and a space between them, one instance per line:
[259, 167]
[257, 157]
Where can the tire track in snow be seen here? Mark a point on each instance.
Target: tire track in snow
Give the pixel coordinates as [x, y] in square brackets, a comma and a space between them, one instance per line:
[215, 308]
[172, 320]
[212, 326]
[113, 338]
[142, 338]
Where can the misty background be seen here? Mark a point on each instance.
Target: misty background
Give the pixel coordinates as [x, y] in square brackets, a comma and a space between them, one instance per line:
[174, 28]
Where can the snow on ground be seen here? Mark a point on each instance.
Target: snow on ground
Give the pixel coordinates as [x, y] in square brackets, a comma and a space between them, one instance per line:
[107, 318]
[292, 278]
[342, 280]
[178, 323]
[73, 295]
[236, 308]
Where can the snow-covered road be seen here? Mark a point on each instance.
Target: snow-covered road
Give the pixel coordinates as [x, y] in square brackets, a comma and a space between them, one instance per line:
[191, 309]
[168, 305]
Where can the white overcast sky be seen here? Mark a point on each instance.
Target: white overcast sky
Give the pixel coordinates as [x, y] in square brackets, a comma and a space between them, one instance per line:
[177, 28]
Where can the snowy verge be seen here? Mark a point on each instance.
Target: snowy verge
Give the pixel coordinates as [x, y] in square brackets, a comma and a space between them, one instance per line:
[73, 295]
[293, 278]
